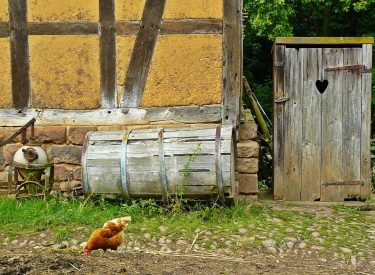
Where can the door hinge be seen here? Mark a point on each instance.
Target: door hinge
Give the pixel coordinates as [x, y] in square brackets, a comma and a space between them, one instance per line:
[356, 182]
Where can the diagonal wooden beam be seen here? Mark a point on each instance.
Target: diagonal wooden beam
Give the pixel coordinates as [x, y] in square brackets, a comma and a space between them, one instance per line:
[140, 61]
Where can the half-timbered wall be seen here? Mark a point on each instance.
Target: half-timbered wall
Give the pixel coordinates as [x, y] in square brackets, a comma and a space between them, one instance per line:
[103, 65]
[59, 58]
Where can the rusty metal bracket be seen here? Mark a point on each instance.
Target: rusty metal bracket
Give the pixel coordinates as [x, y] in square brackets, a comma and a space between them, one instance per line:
[281, 99]
[278, 64]
[344, 68]
[337, 183]
[21, 131]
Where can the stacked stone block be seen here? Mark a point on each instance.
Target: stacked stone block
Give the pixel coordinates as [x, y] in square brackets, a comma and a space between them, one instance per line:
[247, 156]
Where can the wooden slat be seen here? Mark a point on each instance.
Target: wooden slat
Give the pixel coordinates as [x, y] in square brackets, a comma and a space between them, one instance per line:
[312, 125]
[293, 125]
[107, 53]
[116, 116]
[351, 122]
[278, 109]
[232, 49]
[192, 26]
[4, 29]
[63, 28]
[332, 109]
[366, 125]
[143, 51]
[19, 48]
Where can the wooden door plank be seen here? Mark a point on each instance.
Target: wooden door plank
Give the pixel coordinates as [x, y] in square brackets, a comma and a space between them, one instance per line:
[278, 114]
[366, 119]
[352, 123]
[312, 124]
[292, 125]
[19, 49]
[143, 51]
[332, 109]
[107, 53]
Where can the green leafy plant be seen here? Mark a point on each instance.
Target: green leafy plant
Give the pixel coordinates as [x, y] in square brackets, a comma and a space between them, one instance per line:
[178, 202]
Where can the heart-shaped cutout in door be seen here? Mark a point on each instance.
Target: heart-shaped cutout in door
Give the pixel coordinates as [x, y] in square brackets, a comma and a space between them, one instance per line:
[321, 85]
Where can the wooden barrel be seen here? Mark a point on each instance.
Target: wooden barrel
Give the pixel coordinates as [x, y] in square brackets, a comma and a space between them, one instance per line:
[151, 163]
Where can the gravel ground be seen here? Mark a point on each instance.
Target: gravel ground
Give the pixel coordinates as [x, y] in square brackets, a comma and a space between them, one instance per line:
[336, 239]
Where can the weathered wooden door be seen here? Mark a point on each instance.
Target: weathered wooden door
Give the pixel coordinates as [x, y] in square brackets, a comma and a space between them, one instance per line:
[322, 122]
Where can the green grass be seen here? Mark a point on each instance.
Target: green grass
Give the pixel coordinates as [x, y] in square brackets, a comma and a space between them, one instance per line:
[30, 216]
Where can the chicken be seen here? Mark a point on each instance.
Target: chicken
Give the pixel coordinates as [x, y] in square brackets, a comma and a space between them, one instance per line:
[110, 236]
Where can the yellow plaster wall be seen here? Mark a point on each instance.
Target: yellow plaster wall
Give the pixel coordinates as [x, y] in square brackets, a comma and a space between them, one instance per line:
[124, 48]
[177, 9]
[62, 11]
[4, 14]
[65, 72]
[129, 10]
[5, 75]
[174, 9]
[185, 70]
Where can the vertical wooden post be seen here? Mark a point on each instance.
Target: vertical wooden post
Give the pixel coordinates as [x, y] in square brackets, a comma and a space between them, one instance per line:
[232, 47]
[19, 48]
[107, 53]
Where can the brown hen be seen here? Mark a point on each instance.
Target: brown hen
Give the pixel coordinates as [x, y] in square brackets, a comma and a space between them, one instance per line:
[110, 236]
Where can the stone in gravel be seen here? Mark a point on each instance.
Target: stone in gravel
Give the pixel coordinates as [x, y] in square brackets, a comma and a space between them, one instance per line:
[292, 239]
[212, 247]
[282, 245]
[197, 230]
[163, 228]
[271, 235]
[14, 242]
[277, 220]
[147, 235]
[32, 243]
[353, 260]
[23, 243]
[42, 235]
[75, 247]
[73, 241]
[315, 234]
[83, 244]
[317, 247]
[59, 246]
[346, 250]
[290, 245]
[236, 236]
[251, 225]
[242, 230]
[289, 230]
[154, 239]
[208, 233]
[302, 245]
[66, 243]
[162, 240]
[166, 249]
[269, 243]
[228, 243]
[272, 250]
[323, 260]
[181, 242]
